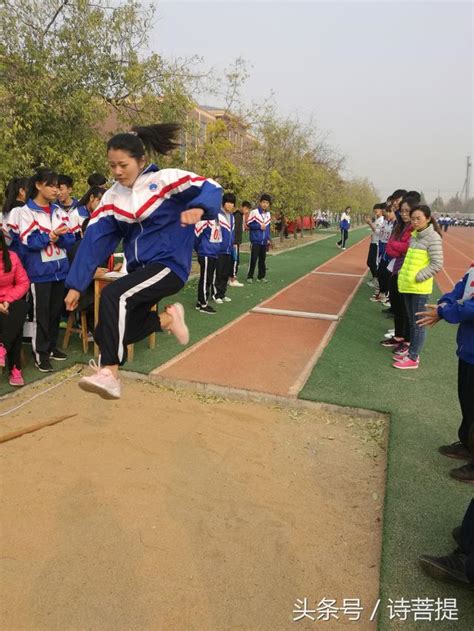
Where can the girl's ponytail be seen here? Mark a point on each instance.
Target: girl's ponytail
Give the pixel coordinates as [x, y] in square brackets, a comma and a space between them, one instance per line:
[436, 226]
[159, 139]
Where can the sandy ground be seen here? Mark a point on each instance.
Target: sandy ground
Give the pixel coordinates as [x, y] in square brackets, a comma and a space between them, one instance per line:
[171, 510]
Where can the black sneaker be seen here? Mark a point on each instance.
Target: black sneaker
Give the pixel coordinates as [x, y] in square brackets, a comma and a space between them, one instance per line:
[44, 366]
[464, 473]
[450, 568]
[207, 309]
[455, 450]
[198, 306]
[58, 355]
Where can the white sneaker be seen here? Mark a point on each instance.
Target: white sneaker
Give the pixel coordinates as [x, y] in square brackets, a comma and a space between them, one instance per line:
[178, 326]
[102, 383]
[227, 299]
[235, 283]
[390, 334]
[219, 301]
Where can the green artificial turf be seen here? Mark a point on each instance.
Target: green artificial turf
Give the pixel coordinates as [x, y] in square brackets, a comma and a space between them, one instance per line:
[422, 503]
[282, 270]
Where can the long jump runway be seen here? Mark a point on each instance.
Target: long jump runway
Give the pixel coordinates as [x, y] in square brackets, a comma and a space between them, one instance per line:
[274, 347]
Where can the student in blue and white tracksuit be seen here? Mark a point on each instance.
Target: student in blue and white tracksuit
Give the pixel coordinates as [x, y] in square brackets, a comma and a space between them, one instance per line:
[344, 225]
[84, 209]
[153, 212]
[15, 198]
[207, 243]
[258, 223]
[45, 238]
[224, 260]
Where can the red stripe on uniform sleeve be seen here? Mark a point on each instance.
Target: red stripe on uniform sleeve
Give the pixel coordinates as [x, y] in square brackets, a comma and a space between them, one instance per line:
[29, 229]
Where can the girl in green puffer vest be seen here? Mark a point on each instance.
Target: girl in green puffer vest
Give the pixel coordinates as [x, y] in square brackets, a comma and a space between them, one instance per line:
[423, 260]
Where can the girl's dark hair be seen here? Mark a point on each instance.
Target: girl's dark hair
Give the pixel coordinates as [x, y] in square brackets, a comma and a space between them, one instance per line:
[246, 204]
[414, 194]
[94, 191]
[160, 139]
[12, 190]
[43, 176]
[96, 179]
[400, 192]
[7, 262]
[400, 225]
[426, 210]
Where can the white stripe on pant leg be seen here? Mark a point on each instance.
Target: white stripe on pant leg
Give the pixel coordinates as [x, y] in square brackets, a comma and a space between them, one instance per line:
[205, 281]
[213, 283]
[123, 304]
[250, 259]
[35, 326]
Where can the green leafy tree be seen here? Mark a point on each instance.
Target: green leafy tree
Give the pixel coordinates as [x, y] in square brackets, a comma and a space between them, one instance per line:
[67, 67]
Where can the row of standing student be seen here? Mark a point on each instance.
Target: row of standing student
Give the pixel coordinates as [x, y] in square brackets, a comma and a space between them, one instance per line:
[217, 244]
[40, 232]
[414, 251]
[404, 256]
[406, 248]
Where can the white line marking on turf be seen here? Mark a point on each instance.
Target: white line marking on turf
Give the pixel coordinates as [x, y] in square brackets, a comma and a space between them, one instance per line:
[308, 368]
[295, 314]
[339, 274]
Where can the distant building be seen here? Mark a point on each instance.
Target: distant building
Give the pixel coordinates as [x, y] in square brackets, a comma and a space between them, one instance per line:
[202, 116]
[237, 130]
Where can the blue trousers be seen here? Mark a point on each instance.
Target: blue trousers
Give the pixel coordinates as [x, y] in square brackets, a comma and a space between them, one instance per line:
[415, 303]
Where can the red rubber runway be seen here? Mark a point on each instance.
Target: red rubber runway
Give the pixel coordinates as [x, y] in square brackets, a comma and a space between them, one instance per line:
[276, 353]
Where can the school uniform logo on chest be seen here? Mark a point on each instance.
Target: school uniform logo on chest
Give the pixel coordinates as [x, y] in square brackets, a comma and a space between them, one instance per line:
[153, 187]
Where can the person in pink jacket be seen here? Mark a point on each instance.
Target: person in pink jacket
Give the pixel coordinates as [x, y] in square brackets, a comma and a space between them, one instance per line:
[396, 249]
[14, 284]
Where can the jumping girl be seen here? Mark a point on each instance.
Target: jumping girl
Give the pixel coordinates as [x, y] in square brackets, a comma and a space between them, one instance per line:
[154, 212]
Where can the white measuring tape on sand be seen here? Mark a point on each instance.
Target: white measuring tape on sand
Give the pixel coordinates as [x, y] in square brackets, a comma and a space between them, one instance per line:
[40, 394]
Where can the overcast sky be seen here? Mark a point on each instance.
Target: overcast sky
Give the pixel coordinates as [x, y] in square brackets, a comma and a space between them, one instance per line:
[392, 82]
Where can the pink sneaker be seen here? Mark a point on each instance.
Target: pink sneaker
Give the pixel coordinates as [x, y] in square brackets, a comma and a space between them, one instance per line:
[405, 363]
[102, 383]
[3, 355]
[16, 378]
[178, 326]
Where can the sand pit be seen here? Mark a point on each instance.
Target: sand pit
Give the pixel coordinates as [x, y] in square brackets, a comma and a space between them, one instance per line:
[170, 510]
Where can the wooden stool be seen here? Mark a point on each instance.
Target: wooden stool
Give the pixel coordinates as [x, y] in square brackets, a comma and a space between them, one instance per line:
[71, 329]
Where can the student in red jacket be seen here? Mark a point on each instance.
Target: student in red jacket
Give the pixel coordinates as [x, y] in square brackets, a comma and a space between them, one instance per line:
[14, 284]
